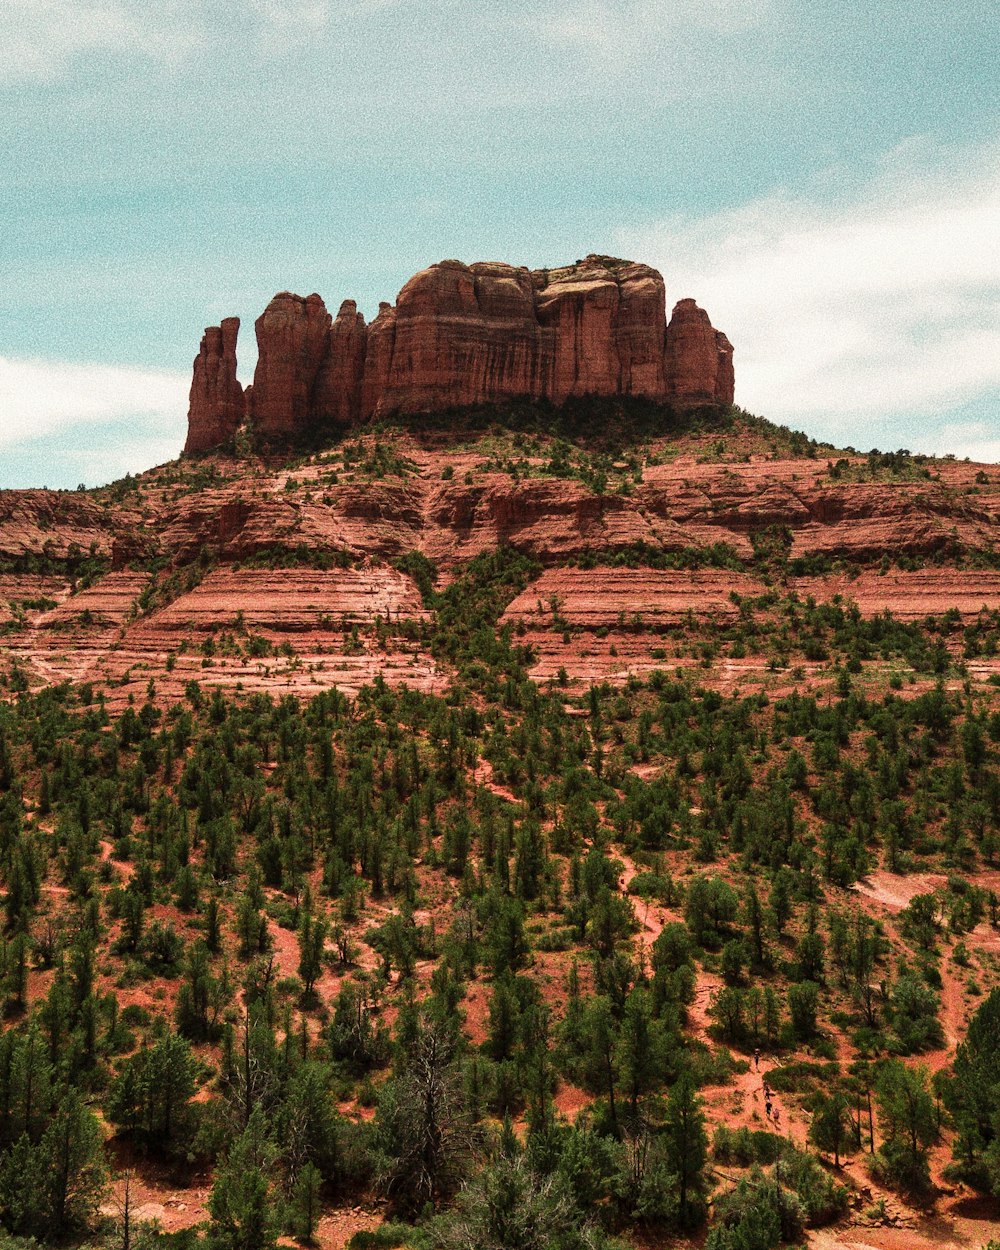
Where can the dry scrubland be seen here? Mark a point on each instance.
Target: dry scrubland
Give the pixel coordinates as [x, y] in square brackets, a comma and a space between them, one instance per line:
[438, 838]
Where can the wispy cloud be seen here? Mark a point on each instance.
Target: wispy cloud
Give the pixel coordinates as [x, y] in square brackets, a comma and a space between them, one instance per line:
[618, 26]
[43, 39]
[39, 397]
[884, 304]
[94, 421]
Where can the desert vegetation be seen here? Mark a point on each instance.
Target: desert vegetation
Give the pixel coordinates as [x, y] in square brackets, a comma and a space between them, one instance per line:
[522, 961]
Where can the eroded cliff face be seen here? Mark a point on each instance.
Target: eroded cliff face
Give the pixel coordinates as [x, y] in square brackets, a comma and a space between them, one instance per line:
[217, 404]
[293, 344]
[465, 334]
[337, 388]
[699, 358]
[151, 597]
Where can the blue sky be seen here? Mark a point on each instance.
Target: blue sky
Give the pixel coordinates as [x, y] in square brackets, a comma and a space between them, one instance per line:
[823, 177]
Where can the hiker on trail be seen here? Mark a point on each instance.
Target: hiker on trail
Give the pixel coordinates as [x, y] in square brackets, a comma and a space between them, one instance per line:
[767, 1108]
[756, 1060]
[777, 1116]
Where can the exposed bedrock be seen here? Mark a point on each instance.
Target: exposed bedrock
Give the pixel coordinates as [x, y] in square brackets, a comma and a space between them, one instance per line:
[458, 335]
[217, 404]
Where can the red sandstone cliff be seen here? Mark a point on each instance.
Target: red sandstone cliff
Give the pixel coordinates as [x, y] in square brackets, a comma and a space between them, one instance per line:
[217, 405]
[336, 400]
[468, 334]
[699, 359]
[293, 341]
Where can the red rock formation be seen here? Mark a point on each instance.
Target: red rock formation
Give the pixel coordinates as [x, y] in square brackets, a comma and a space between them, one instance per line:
[293, 340]
[337, 390]
[462, 335]
[217, 405]
[378, 358]
[469, 334]
[640, 331]
[609, 324]
[104, 633]
[699, 359]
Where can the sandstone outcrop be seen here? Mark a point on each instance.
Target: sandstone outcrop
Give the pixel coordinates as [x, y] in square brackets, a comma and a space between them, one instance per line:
[217, 405]
[336, 400]
[293, 343]
[463, 334]
[460, 335]
[56, 626]
[699, 358]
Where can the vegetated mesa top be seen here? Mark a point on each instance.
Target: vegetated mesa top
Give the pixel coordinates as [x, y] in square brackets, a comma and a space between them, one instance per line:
[460, 334]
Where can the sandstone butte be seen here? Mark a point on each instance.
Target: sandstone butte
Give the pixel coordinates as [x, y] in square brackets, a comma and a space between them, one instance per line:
[459, 335]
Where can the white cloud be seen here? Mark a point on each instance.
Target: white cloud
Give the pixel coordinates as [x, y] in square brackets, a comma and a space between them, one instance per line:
[622, 26]
[882, 306]
[286, 24]
[68, 403]
[43, 38]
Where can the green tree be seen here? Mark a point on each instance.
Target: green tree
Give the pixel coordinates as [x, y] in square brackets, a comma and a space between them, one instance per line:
[803, 1001]
[150, 1096]
[972, 1095]
[687, 1148]
[599, 1052]
[641, 1050]
[831, 1127]
[306, 1203]
[242, 1204]
[312, 940]
[52, 1185]
[909, 1124]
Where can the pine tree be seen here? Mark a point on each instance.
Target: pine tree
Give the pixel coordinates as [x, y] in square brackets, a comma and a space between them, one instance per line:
[312, 941]
[973, 1095]
[831, 1127]
[687, 1148]
[306, 1196]
[242, 1205]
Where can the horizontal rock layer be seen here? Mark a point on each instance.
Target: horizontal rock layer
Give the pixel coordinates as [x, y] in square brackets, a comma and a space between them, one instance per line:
[459, 335]
[620, 619]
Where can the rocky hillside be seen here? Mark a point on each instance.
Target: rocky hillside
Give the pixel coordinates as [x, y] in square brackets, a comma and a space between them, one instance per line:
[458, 335]
[630, 834]
[299, 574]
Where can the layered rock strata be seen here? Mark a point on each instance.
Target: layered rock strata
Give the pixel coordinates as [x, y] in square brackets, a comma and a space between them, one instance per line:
[56, 624]
[458, 335]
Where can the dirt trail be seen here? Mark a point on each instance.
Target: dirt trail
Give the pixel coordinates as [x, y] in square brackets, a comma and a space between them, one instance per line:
[483, 775]
[652, 916]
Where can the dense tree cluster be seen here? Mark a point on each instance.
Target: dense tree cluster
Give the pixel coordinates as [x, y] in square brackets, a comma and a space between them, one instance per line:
[224, 939]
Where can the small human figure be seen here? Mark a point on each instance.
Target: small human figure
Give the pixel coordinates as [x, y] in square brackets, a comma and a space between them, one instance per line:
[777, 1117]
[756, 1060]
[767, 1108]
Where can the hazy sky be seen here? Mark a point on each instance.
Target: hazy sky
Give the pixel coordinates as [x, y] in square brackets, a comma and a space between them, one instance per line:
[824, 177]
